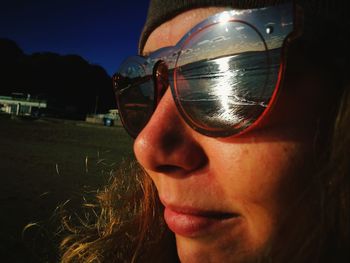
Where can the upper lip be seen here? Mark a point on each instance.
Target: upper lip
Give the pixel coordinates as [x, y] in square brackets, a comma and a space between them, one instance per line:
[188, 210]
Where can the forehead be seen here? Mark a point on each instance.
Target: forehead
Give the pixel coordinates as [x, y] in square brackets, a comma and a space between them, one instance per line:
[170, 32]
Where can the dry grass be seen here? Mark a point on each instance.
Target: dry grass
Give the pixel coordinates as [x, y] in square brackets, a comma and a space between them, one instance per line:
[45, 164]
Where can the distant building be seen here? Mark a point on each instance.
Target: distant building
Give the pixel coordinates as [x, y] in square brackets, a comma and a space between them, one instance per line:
[21, 104]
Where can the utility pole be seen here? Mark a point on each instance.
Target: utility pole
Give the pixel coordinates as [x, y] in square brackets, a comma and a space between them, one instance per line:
[96, 104]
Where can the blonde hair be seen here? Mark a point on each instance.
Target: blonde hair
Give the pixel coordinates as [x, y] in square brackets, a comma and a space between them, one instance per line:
[129, 227]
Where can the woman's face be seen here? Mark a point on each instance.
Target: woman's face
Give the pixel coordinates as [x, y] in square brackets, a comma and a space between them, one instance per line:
[226, 198]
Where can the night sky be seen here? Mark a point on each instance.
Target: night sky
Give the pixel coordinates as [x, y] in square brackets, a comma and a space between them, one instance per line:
[103, 32]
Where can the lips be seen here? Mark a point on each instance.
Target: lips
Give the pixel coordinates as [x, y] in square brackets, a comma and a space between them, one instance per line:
[192, 222]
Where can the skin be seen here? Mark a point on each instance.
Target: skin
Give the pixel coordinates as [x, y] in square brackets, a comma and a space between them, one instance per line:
[258, 175]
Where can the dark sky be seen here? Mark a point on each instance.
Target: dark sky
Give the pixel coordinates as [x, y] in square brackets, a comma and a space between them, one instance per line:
[103, 32]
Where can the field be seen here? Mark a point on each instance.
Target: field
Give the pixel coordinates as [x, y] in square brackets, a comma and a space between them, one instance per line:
[44, 163]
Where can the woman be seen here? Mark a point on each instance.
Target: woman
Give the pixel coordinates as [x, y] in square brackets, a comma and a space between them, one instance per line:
[240, 114]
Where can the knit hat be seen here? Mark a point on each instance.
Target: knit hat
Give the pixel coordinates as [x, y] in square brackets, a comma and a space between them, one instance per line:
[333, 13]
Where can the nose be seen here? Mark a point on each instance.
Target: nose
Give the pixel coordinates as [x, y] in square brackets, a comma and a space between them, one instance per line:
[167, 144]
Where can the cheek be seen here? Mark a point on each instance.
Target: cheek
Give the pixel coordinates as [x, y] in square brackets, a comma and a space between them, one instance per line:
[262, 180]
[263, 166]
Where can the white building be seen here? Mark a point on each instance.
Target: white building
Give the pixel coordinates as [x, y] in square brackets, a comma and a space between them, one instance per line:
[19, 104]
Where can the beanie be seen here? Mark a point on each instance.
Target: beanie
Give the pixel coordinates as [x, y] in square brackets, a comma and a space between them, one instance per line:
[332, 13]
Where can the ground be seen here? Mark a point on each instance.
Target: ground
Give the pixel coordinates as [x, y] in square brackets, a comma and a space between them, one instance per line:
[44, 163]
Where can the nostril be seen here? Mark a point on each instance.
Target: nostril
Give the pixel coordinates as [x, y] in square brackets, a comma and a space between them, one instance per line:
[169, 169]
[182, 166]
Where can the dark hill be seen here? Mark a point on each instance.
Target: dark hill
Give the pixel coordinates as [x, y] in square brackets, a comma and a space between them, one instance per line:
[72, 86]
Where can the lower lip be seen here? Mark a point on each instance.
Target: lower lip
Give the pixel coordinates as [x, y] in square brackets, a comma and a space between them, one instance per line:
[191, 225]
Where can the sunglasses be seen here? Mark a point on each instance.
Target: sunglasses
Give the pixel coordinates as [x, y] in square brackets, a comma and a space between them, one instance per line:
[224, 74]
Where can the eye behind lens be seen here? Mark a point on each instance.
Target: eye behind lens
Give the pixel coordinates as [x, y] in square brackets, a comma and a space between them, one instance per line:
[161, 79]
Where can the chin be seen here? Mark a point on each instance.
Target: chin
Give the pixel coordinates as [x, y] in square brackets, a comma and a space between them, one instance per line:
[206, 251]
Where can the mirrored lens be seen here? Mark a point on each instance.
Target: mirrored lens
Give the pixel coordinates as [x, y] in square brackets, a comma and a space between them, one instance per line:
[135, 96]
[225, 78]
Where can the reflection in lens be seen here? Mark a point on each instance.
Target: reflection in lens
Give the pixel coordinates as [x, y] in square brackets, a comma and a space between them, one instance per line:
[135, 96]
[229, 90]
